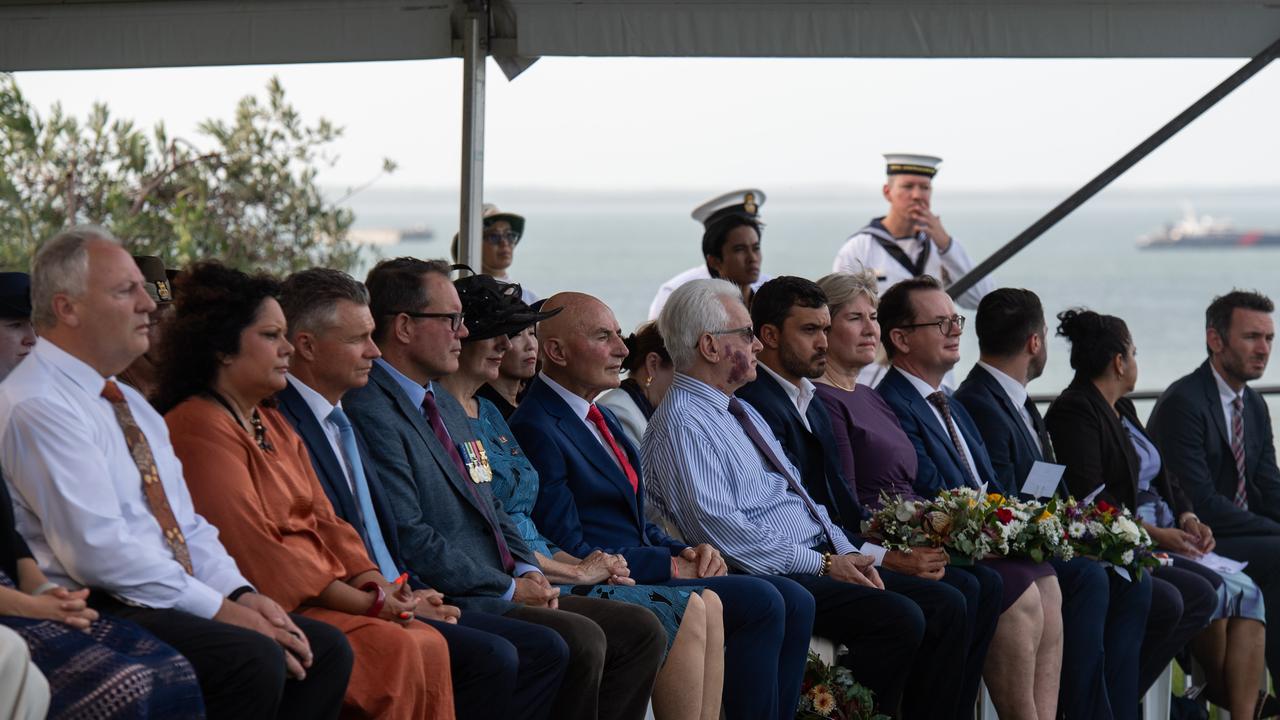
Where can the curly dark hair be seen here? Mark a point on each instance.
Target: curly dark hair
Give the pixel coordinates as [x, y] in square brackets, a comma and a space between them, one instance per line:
[214, 305]
[1095, 339]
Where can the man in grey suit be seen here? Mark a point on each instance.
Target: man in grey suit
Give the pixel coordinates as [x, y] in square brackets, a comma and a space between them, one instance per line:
[453, 534]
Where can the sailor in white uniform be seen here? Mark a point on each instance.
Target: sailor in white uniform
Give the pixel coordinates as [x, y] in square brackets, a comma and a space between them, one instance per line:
[909, 240]
[730, 246]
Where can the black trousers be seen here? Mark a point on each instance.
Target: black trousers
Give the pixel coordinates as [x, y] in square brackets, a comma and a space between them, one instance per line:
[1183, 599]
[615, 650]
[241, 671]
[1262, 552]
[885, 630]
[502, 667]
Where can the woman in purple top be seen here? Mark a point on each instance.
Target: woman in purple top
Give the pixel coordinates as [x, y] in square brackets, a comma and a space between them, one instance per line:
[878, 458]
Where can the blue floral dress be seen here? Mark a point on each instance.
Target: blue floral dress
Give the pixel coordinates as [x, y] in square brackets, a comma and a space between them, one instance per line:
[116, 671]
[515, 484]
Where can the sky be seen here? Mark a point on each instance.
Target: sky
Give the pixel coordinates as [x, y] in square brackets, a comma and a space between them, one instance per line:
[643, 124]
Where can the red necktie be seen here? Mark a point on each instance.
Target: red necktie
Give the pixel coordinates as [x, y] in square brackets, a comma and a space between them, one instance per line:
[595, 417]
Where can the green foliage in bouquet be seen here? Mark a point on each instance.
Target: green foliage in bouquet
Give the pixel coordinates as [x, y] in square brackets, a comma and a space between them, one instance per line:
[829, 691]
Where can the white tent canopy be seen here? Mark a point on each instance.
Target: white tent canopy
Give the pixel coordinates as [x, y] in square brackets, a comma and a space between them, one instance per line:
[81, 34]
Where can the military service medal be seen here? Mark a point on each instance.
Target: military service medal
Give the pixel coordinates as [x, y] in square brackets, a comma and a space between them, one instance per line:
[477, 462]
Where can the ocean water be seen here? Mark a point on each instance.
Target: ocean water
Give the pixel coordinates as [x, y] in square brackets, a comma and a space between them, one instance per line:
[622, 247]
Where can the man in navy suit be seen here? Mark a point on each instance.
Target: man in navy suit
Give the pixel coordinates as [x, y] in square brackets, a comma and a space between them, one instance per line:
[1215, 435]
[921, 334]
[499, 666]
[1102, 614]
[453, 533]
[791, 318]
[591, 497]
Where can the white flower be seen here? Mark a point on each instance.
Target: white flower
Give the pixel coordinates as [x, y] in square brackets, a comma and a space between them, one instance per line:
[1127, 529]
[1076, 529]
[1127, 557]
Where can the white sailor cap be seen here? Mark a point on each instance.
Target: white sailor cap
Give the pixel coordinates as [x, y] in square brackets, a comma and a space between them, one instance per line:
[742, 203]
[906, 164]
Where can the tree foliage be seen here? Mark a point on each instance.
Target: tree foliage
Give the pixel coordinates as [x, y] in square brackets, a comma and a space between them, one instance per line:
[246, 194]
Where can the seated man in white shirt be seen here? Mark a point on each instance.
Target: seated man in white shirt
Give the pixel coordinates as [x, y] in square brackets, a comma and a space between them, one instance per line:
[100, 498]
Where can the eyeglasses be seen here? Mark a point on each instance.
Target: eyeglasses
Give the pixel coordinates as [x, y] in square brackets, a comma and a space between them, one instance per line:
[944, 325]
[746, 333]
[497, 238]
[455, 319]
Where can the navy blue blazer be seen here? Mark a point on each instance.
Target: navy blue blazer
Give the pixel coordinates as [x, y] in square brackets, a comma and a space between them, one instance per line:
[1010, 445]
[334, 481]
[440, 518]
[1189, 427]
[941, 467]
[814, 453]
[585, 502]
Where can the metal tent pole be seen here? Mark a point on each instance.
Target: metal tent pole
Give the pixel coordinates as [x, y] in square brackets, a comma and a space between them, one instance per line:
[475, 42]
[1078, 198]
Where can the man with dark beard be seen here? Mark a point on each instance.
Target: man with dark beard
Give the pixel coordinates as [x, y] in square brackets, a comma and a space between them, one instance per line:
[1214, 433]
[791, 319]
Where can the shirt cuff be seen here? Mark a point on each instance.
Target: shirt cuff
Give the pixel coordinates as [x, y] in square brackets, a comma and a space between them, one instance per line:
[200, 600]
[949, 245]
[808, 562]
[522, 568]
[874, 551]
[511, 591]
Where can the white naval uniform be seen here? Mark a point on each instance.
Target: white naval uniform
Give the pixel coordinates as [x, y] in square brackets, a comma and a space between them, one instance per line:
[694, 273]
[862, 250]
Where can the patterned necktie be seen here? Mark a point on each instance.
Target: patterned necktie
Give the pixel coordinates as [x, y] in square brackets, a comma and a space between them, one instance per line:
[140, 450]
[1237, 449]
[740, 414]
[1042, 432]
[597, 418]
[368, 516]
[939, 400]
[432, 413]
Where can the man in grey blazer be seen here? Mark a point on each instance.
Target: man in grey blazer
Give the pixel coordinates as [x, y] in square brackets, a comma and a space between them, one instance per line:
[453, 534]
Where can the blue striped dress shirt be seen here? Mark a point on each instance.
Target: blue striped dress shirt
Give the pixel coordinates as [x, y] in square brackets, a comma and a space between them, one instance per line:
[705, 474]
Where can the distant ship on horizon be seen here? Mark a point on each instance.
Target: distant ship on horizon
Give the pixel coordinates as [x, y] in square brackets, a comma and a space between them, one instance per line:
[1203, 231]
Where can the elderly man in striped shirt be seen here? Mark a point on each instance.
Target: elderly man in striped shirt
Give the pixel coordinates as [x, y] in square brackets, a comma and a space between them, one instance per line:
[715, 469]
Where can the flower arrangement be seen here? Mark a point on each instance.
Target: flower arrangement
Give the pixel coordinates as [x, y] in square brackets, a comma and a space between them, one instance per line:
[1041, 535]
[1110, 534]
[829, 691]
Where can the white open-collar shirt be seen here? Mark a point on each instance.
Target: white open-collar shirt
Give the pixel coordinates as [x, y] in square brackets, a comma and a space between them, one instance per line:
[78, 497]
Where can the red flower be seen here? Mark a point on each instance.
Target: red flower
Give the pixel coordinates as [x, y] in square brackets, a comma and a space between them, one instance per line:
[1005, 515]
[1105, 507]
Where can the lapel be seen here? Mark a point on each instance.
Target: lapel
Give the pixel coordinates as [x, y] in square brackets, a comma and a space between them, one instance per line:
[329, 465]
[1209, 386]
[414, 417]
[924, 415]
[1119, 436]
[575, 430]
[1013, 412]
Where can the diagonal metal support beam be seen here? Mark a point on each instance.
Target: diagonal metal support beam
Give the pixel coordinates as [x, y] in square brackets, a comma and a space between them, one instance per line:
[1094, 186]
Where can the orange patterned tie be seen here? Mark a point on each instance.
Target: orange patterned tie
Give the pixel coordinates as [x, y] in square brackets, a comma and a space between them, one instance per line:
[151, 487]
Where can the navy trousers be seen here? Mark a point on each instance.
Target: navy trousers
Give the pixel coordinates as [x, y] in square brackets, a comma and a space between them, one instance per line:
[1183, 599]
[983, 590]
[768, 621]
[932, 687]
[1085, 598]
[502, 667]
[1130, 604]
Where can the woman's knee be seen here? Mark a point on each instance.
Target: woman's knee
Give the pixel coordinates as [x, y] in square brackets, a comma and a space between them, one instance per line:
[1050, 595]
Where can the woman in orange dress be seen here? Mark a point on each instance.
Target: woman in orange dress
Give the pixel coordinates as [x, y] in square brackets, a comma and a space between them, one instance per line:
[225, 356]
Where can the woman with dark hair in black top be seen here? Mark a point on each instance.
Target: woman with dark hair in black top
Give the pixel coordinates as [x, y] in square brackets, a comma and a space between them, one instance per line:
[1097, 434]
